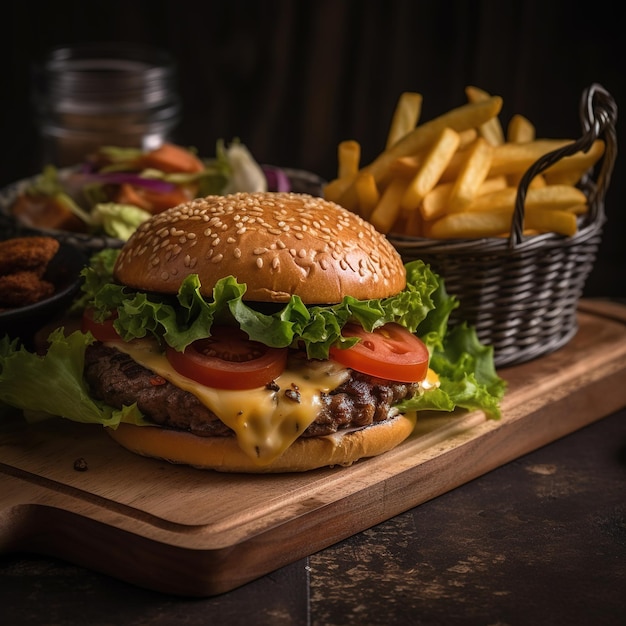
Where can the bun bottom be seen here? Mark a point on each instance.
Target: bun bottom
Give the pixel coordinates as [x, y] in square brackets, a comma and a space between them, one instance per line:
[223, 454]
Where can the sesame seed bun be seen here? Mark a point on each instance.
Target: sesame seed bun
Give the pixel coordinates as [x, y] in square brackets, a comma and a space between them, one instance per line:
[224, 455]
[278, 244]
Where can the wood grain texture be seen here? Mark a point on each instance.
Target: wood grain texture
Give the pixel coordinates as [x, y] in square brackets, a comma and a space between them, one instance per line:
[184, 531]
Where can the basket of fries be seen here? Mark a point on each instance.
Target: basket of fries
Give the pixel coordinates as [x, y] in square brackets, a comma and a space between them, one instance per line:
[516, 257]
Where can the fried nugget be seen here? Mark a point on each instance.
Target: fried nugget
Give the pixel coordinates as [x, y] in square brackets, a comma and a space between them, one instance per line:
[23, 288]
[27, 254]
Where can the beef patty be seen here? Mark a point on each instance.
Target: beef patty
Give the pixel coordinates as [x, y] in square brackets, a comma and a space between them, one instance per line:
[116, 379]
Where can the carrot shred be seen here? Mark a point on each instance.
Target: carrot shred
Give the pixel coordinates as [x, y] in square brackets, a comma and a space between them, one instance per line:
[171, 158]
[152, 201]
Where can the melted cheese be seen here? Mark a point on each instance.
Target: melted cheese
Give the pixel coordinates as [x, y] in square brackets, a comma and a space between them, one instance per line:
[430, 382]
[266, 422]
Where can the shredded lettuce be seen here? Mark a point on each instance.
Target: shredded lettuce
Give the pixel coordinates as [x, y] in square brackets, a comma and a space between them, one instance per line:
[53, 384]
[118, 220]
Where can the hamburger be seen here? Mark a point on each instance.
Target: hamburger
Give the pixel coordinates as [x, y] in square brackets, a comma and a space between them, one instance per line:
[256, 332]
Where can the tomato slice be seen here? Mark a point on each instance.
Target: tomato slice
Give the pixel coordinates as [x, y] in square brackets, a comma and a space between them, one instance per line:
[229, 360]
[390, 352]
[102, 331]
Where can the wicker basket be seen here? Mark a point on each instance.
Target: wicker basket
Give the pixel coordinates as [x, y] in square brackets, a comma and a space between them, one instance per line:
[521, 293]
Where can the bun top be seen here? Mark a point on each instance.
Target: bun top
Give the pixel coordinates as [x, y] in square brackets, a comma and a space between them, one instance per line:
[279, 244]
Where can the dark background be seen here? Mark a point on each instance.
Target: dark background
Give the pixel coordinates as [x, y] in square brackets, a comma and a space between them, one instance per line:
[293, 78]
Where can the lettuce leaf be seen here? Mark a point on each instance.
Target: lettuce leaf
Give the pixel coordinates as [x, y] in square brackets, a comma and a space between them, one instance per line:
[189, 316]
[118, 220]
[54, 384]
[467, 375]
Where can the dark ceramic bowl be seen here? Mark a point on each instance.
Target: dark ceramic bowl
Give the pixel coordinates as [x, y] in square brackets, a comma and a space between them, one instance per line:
[64, 273]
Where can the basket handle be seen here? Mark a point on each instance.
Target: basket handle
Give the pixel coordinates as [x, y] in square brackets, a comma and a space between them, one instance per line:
[598, 113]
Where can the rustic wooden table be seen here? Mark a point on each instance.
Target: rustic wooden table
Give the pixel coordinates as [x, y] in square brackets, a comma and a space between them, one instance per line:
[540, 540]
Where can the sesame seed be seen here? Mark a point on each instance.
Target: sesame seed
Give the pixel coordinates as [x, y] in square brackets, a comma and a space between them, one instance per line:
[259, 262]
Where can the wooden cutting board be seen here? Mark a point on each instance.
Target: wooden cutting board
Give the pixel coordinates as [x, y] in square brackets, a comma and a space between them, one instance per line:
[185, 531]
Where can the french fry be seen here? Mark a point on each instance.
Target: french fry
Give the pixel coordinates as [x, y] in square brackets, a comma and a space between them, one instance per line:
[554, 197]
[459, 119]
[349, 158]
[552, 221]
[336, 189]
[467, 225]
[491, 130]
[436, 201]
[575, 166]
[537, 181]
[467, 137]
[520, 130]
[435, 162]
[406, 166]
[512, 158]
[514, 180]
[414, 224]
[405, 116]
[564, 177]
[578, 209]
[491, 184]
[410, 165]
[550, 196]
[493, 223]
[458, 176]
[387, 210]
[367, 193]
[472, 174]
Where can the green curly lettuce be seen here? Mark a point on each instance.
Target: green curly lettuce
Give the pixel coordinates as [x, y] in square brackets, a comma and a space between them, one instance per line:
[54, 383]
